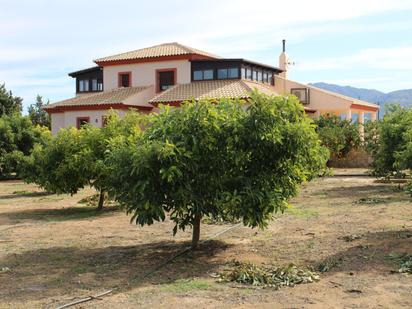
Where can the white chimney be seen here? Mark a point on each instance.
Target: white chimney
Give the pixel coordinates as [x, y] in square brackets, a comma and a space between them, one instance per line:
[284, 61]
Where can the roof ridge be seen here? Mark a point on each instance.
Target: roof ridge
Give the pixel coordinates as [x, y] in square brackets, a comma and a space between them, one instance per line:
[138, 49]
[186, 48]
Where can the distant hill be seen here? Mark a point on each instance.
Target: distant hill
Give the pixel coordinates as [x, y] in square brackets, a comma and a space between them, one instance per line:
[403, 97]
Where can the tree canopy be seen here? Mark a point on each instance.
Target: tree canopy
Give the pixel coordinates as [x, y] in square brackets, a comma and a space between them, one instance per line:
[217, 159]
[9, 104]
[37, 114]
[339, 136]
[393, 151]
[76, 158]
[18, 137]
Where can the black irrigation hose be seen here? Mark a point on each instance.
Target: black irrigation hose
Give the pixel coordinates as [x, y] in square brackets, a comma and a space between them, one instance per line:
[152, 271]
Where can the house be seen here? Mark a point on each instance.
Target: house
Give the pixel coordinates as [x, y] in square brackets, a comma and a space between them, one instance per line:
[172, 73]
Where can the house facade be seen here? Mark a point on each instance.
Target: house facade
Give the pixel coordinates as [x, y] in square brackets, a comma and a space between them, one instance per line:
[172, 73]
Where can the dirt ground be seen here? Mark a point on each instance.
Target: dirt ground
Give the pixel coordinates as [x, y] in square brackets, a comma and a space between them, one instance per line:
[54, 250]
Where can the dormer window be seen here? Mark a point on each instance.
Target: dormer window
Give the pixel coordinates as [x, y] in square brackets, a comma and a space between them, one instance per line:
[83, 85]
[125, 79]
[228, 73]
[203, 75]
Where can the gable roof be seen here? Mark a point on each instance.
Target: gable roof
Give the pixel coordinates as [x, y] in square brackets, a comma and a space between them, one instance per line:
[113, 97]
[215, 89]
[162, 50]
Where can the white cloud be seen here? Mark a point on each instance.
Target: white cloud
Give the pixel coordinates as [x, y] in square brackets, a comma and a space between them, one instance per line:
[394, 58]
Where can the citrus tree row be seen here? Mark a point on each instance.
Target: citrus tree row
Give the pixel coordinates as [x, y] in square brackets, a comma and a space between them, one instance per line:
[217, 159]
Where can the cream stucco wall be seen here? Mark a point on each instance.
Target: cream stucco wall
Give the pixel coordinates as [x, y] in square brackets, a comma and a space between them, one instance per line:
[57, 122]
[69, 118]
[322, 101]
[144, 74]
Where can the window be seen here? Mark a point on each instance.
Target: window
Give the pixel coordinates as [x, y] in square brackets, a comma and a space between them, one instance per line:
[165, 79]
[254, 75]
[243, 73]
[228, 73]
[259, 76]
[125, 79]
[99, 85]
[222, 74]
[302, 94]
[265, 77]
[83, 85]
[198, 75]
[270, 79]
[94, 84]
[208, 74]
[233, 73]
[203, 75]
[81, 121]
[249, 73]
[104, 121]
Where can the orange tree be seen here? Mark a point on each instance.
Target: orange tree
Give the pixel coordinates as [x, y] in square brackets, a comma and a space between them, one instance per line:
[77, 158]
[217, 159]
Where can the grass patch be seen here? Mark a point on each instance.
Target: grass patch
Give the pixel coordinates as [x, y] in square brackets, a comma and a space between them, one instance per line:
[370, 201]
[187, 285]
[79, 270]
[301, 212]
[350, 238]
[267, 276]
[404, 260]
[329, 264]
[93, 200]
[320, 194]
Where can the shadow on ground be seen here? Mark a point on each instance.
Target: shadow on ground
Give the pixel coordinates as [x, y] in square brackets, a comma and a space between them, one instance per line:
[370, 252]
[361, 189]
[59, 270]
[23, 194]
[62, 214]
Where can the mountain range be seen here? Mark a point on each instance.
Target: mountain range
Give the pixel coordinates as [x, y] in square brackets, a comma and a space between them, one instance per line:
[403, 97]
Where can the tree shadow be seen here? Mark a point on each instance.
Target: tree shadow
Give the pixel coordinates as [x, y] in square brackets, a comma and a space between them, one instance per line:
[60, 214]
[371, 252]
[20, 194]
[365, 190]
[54, 271]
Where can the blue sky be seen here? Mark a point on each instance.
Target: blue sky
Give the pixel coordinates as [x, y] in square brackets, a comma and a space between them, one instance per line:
[362, 43]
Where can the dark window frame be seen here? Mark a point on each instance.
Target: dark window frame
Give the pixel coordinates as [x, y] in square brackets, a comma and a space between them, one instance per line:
[120, 79]
[203, 74]
[158, 71]
[79, 121]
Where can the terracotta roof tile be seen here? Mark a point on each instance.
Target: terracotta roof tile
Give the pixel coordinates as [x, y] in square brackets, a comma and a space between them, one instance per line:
[162, 50]
[211, 89]
[116, 96]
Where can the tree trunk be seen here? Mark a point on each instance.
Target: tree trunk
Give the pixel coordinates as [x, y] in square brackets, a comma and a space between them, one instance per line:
[101, 200]
[196, 231]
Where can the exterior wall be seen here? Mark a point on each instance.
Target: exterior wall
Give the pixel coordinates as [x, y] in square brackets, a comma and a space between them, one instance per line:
[57, 122]
[144, 74]
[69, 118]
[321, 101]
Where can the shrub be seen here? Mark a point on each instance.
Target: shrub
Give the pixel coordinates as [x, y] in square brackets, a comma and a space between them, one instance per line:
[339, 136]
[18, 137]
[77, 158]
[393, 151]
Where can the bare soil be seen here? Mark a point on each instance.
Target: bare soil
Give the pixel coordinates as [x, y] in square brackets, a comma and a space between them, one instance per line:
[54, 250]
